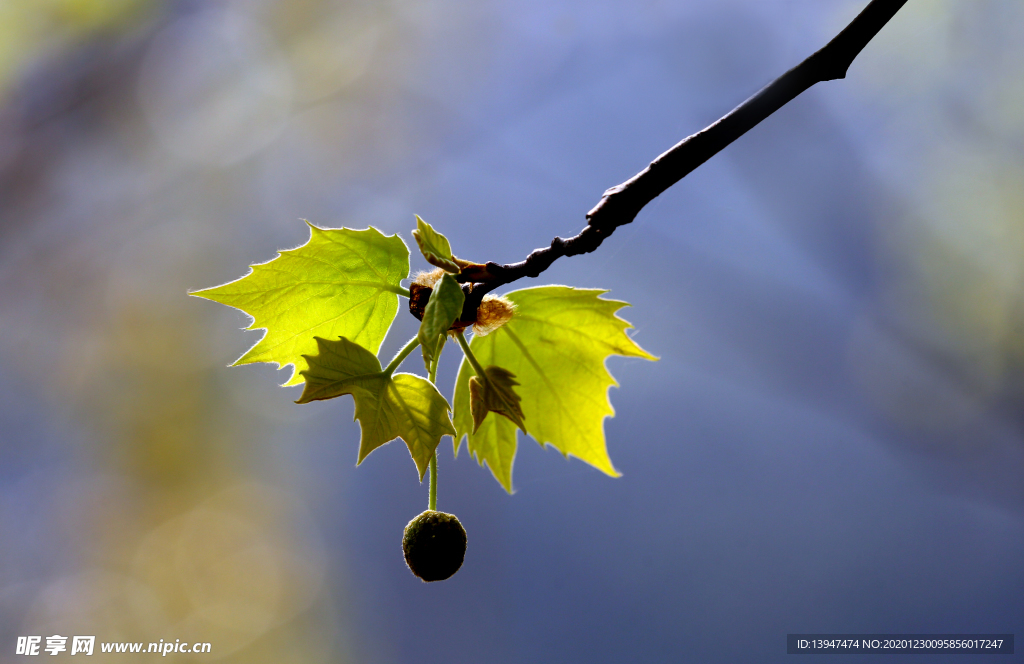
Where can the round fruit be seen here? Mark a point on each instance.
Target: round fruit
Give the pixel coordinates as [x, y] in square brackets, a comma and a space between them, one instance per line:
[434, 545]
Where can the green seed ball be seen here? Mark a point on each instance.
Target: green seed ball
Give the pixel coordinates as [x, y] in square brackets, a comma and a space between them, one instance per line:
[434, 545]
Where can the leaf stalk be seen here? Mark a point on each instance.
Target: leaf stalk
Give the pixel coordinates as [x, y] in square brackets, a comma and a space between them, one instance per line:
[402, 354]
[469, 356]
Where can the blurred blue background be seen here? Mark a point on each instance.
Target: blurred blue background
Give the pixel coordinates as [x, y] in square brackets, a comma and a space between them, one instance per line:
[833, 440]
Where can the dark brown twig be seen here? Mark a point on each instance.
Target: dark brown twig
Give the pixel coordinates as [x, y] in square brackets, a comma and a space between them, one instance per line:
[620, 204]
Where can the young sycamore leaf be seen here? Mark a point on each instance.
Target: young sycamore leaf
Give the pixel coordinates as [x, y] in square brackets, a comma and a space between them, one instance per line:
[434, 247]
[495, 394]
[443, 308]
[387, 407]
[341, 283]
[556, 345]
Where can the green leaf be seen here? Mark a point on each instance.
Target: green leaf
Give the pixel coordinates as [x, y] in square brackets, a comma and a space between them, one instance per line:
[434, 247]
[556, 345]
[443, 308]
[495, 394]
[341, 283]
[387, 407]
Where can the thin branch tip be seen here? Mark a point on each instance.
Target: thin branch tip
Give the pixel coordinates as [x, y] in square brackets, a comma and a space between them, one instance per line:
[619, 205]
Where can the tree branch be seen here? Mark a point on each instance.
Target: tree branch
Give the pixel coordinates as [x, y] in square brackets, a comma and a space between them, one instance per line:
[620, 204]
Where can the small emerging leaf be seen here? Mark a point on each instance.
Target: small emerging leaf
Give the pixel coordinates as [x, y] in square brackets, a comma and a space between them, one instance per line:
[387, 407]
[434, 247]
[443, 308]
[556, 344]
[495, 394]
[342, 282]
